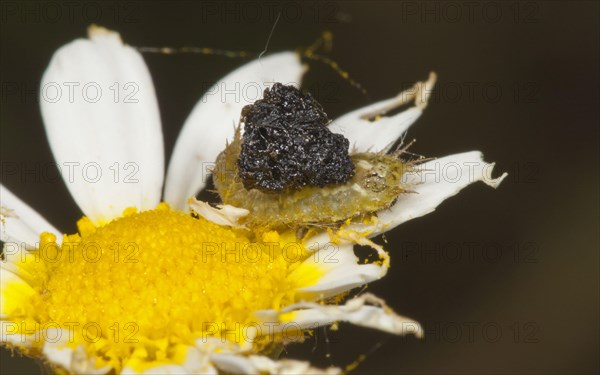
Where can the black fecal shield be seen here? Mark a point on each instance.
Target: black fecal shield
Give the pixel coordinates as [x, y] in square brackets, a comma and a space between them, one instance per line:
[286, 144]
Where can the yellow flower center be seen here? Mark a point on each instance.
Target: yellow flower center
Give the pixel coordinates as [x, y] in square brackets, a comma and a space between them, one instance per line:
[148, 283]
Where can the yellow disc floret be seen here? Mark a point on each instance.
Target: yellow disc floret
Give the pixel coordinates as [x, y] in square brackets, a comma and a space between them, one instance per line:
[145, 284]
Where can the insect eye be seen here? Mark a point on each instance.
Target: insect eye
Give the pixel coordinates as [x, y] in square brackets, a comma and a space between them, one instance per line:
[301, 151]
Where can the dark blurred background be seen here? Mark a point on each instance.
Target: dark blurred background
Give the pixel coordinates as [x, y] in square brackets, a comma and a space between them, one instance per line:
[503, 281]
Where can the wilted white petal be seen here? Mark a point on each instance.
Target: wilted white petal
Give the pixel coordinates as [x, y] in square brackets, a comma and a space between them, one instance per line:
[198, 362]
[380, 134]
[341, 272]
[211, 122]
[437, 181]
[102, 121]
[74, 360]
[254, 364]
[159, 370]
[10, 338]
[20, 223]
[222, 215]
[365, 310]
[233, 363]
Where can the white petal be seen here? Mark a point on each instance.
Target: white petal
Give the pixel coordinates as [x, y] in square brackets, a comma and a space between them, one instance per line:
[197, 361]
[13, 290]
[358, 311]
[380, 135]
[58, 357]
[159, 370]
[341, 272]
[20, 223]
[9, 337]
[16, 259]
[438, 180]
[233, 363]
[222, 215]
[254, 364]
[110, 151]
[74, 360]
[365, 316]
[211, 122]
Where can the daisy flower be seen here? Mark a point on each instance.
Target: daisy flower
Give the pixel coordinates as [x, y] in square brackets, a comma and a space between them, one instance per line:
[149, 286]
